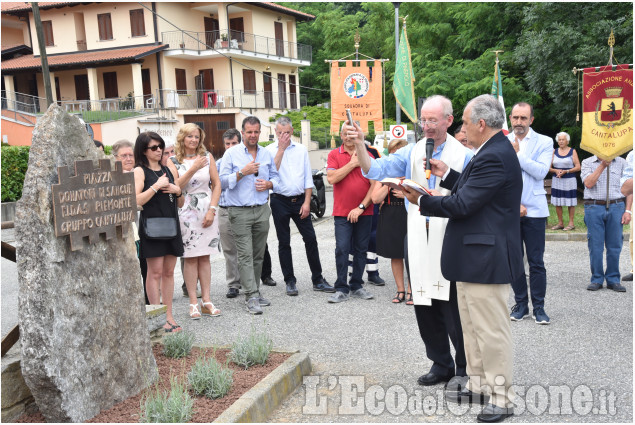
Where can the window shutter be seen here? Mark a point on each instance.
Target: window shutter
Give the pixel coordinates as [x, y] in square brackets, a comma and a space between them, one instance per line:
[47, 27]
[181, 83]
[105, 26]
[137, 24]
[249, 81]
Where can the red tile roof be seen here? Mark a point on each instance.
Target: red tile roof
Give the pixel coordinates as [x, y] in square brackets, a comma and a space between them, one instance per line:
[300, 15]
[87, 57]
[21, 6]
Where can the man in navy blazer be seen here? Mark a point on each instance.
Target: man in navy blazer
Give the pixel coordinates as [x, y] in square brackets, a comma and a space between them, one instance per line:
[481, 252]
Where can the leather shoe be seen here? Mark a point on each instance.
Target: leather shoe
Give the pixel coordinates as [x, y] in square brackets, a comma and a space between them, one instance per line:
[432, 378]
[594, 286]
[616, 287]
[466, 396]
[291, 289]
[323, 286]
[628, 278]
[269, 281]
[492, 413]
[232, 293]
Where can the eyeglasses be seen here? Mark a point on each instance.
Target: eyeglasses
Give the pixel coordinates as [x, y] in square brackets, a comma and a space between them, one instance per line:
[154, 148]
[429, 123]
[127, 155]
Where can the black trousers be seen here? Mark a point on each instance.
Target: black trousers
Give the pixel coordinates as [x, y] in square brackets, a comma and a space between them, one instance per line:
[266, 264]
[283, 210]
[439, 324]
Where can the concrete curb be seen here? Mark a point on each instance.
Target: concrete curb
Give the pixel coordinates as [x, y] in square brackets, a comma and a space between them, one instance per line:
[259, 402]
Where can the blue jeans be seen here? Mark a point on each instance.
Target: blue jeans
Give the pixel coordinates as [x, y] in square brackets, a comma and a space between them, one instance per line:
[532, 233]
[351, 237]
[604, 228]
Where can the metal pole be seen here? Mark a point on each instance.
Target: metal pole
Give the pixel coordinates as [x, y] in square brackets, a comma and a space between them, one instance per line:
[396, 4]
[42, 45]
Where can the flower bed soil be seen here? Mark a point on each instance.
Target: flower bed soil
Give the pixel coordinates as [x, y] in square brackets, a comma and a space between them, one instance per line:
[205, 410]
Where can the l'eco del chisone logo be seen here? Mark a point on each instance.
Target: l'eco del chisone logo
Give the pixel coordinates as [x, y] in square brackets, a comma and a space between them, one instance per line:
[356, 85]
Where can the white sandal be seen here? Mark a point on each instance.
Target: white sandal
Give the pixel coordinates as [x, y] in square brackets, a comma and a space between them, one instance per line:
[194, 314]
[210, 311]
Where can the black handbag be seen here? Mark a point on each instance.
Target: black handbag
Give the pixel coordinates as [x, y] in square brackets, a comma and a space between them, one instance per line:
[161, 228]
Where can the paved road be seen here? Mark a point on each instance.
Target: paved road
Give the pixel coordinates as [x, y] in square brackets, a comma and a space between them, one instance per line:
[587, 350]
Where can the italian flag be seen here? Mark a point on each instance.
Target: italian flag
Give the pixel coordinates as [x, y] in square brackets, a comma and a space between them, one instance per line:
[497, 90]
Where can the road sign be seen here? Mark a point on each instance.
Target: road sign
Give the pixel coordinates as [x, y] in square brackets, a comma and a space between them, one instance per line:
[397, 131]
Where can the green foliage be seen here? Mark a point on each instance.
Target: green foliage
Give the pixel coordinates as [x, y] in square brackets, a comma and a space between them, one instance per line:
[15, 160]
[107, 149]
[163, 407]
[210, 378]
[252, 349]
[178, 344]
[452, 49]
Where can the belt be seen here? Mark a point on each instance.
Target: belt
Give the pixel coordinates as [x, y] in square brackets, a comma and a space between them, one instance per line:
[222, 206]
[293, 199]
[594, 202]
[245, 206]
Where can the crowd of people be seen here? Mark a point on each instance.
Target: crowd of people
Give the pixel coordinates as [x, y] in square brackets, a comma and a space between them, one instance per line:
[488, 210]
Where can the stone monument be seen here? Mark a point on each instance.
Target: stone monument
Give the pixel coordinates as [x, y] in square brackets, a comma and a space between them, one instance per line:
[84, 339]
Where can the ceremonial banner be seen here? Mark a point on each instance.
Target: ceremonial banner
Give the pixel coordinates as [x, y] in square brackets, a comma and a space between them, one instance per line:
[607, 119]
[497, 91]
[358, 89]
[403, 83]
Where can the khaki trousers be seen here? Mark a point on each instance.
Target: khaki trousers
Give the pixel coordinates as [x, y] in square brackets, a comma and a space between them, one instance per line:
[487, 339]
[228, 245]
[251, 228]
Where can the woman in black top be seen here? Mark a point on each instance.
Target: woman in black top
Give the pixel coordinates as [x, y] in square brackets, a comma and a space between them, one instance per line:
[159, 196]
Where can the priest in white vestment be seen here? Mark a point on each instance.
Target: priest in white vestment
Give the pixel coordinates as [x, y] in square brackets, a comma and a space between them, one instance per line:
[434, 297]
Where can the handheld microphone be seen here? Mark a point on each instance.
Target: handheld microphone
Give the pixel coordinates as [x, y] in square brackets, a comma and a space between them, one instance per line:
[429, 150]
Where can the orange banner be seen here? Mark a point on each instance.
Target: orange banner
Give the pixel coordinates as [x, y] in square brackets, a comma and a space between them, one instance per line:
[607, 120]
[358, 89]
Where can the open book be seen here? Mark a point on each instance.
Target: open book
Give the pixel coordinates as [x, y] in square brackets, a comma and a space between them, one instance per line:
[411, 184]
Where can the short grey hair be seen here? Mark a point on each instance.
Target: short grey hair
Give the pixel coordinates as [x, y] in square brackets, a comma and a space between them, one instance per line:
[446, 103]
[563, 133]
[487, 108]
[283, 121]
[123, 143]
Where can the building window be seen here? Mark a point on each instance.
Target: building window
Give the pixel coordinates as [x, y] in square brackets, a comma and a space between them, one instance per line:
[222, 125]
[249, 81]
[137, 24]
[47, 27]
[181, 83]
[104, 24]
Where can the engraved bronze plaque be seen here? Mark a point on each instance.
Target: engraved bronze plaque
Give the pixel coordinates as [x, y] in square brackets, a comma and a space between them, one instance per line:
[93, 201]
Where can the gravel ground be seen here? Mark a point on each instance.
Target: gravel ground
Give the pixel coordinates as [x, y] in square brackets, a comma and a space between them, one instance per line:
[362, 350]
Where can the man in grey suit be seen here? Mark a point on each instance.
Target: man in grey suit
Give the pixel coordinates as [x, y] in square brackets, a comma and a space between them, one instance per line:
[481, 252]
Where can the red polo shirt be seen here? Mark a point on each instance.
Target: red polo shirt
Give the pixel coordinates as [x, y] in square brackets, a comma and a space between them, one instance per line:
[352, 189]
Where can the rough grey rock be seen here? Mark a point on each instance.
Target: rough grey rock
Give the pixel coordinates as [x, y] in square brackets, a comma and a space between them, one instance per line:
[85, 343]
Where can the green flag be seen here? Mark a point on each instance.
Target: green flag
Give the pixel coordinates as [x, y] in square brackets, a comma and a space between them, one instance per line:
[403, 82]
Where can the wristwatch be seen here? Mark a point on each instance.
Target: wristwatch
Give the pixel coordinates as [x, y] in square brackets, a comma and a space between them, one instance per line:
[240, 174]
[361, 207]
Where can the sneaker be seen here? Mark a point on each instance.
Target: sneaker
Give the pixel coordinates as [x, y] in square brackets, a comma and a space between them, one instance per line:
[338, 297]
[540, 316]
[594, 286]
[253, 306]
[616, 287]
[322, 285]
[268, 281]
[264, 302]
[375, 279]
[519, 312]
[362, 293]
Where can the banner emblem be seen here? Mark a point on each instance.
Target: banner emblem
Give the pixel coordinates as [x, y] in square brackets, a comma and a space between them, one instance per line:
[356, 86]
[612, 108]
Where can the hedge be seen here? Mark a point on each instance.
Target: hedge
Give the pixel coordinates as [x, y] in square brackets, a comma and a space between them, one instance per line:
[15, 160]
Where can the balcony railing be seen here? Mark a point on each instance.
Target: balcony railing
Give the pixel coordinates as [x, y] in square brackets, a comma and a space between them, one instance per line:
[22, 102]
[223, 99]
[236, 40]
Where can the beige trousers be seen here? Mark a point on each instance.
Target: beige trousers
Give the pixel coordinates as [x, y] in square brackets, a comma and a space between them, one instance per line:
[487, 338]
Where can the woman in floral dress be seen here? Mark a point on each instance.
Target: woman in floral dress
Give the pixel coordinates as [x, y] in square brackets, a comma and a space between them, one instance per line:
[195, 169]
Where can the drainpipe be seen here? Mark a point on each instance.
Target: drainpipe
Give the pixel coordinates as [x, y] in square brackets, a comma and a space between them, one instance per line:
[231, 69]
[158, 54]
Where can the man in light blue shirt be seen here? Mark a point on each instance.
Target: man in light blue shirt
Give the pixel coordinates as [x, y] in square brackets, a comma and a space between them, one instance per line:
[291, 200]
[249, 172]
[534, 154]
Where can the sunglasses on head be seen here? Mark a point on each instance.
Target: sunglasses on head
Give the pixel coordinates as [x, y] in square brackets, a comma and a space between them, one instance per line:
[154, 148]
